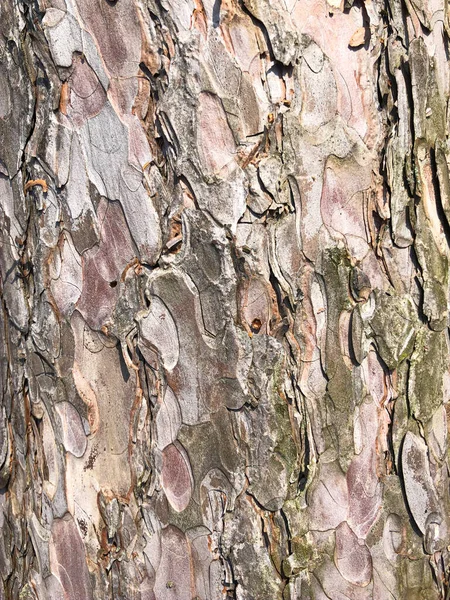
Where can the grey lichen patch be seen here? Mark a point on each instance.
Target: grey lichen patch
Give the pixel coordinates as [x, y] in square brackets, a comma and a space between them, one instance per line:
[429, 362]
[187, 519]
[400, 200]
[283, 35]
[419, 486]
[393, 327]
[435, 279]
[443, 177]
[431, 243]
[273, 461]
[429, 105]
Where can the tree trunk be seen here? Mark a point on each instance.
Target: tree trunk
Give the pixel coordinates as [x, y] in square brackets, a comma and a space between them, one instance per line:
[224, 281]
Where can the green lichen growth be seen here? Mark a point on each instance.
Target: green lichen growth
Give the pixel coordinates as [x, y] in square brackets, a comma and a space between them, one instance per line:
[304, 557]
[26, 593]
[340, 398]
[284, 445]
[304, 552]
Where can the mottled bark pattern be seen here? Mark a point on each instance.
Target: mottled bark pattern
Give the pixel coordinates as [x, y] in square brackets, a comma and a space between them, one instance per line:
[224, 280]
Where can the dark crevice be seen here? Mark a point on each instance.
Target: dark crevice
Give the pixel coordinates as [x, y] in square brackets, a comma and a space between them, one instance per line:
[304, 474]
[216, 13]
[123, 366]
[437, 194]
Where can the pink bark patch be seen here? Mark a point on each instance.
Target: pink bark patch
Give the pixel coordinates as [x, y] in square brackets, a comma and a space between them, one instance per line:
[342, 204]
[87, 96]
[244, 41]
[375, 377]
[103, 266]
[328, 501]
[115, 27]
[67, 282]
[352, 557]
[176, 476]
[364, 492]
[352, 70]
[215, 140]
[73, 435]
[173, 577]
[67, 559]
[168, 420]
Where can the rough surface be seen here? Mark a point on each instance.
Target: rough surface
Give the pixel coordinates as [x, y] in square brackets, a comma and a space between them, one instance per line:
[224, 263]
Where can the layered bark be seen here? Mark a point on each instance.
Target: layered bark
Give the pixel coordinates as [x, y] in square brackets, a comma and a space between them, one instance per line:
[224, 282]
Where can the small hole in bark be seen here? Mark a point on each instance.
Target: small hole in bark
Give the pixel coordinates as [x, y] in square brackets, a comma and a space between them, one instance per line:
[256, 325]
[113, 283]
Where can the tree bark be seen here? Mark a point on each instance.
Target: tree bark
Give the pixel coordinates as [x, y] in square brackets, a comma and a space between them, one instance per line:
[224, 282]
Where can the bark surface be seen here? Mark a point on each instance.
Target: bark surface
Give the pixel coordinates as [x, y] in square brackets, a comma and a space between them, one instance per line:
[224, 299]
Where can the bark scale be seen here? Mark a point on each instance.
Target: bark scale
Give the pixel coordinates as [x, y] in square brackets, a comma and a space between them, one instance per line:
[224, 282]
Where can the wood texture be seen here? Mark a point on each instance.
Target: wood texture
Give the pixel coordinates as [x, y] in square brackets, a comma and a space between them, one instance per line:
[224, 281]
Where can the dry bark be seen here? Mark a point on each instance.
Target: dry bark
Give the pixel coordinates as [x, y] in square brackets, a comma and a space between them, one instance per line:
[224, 281]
